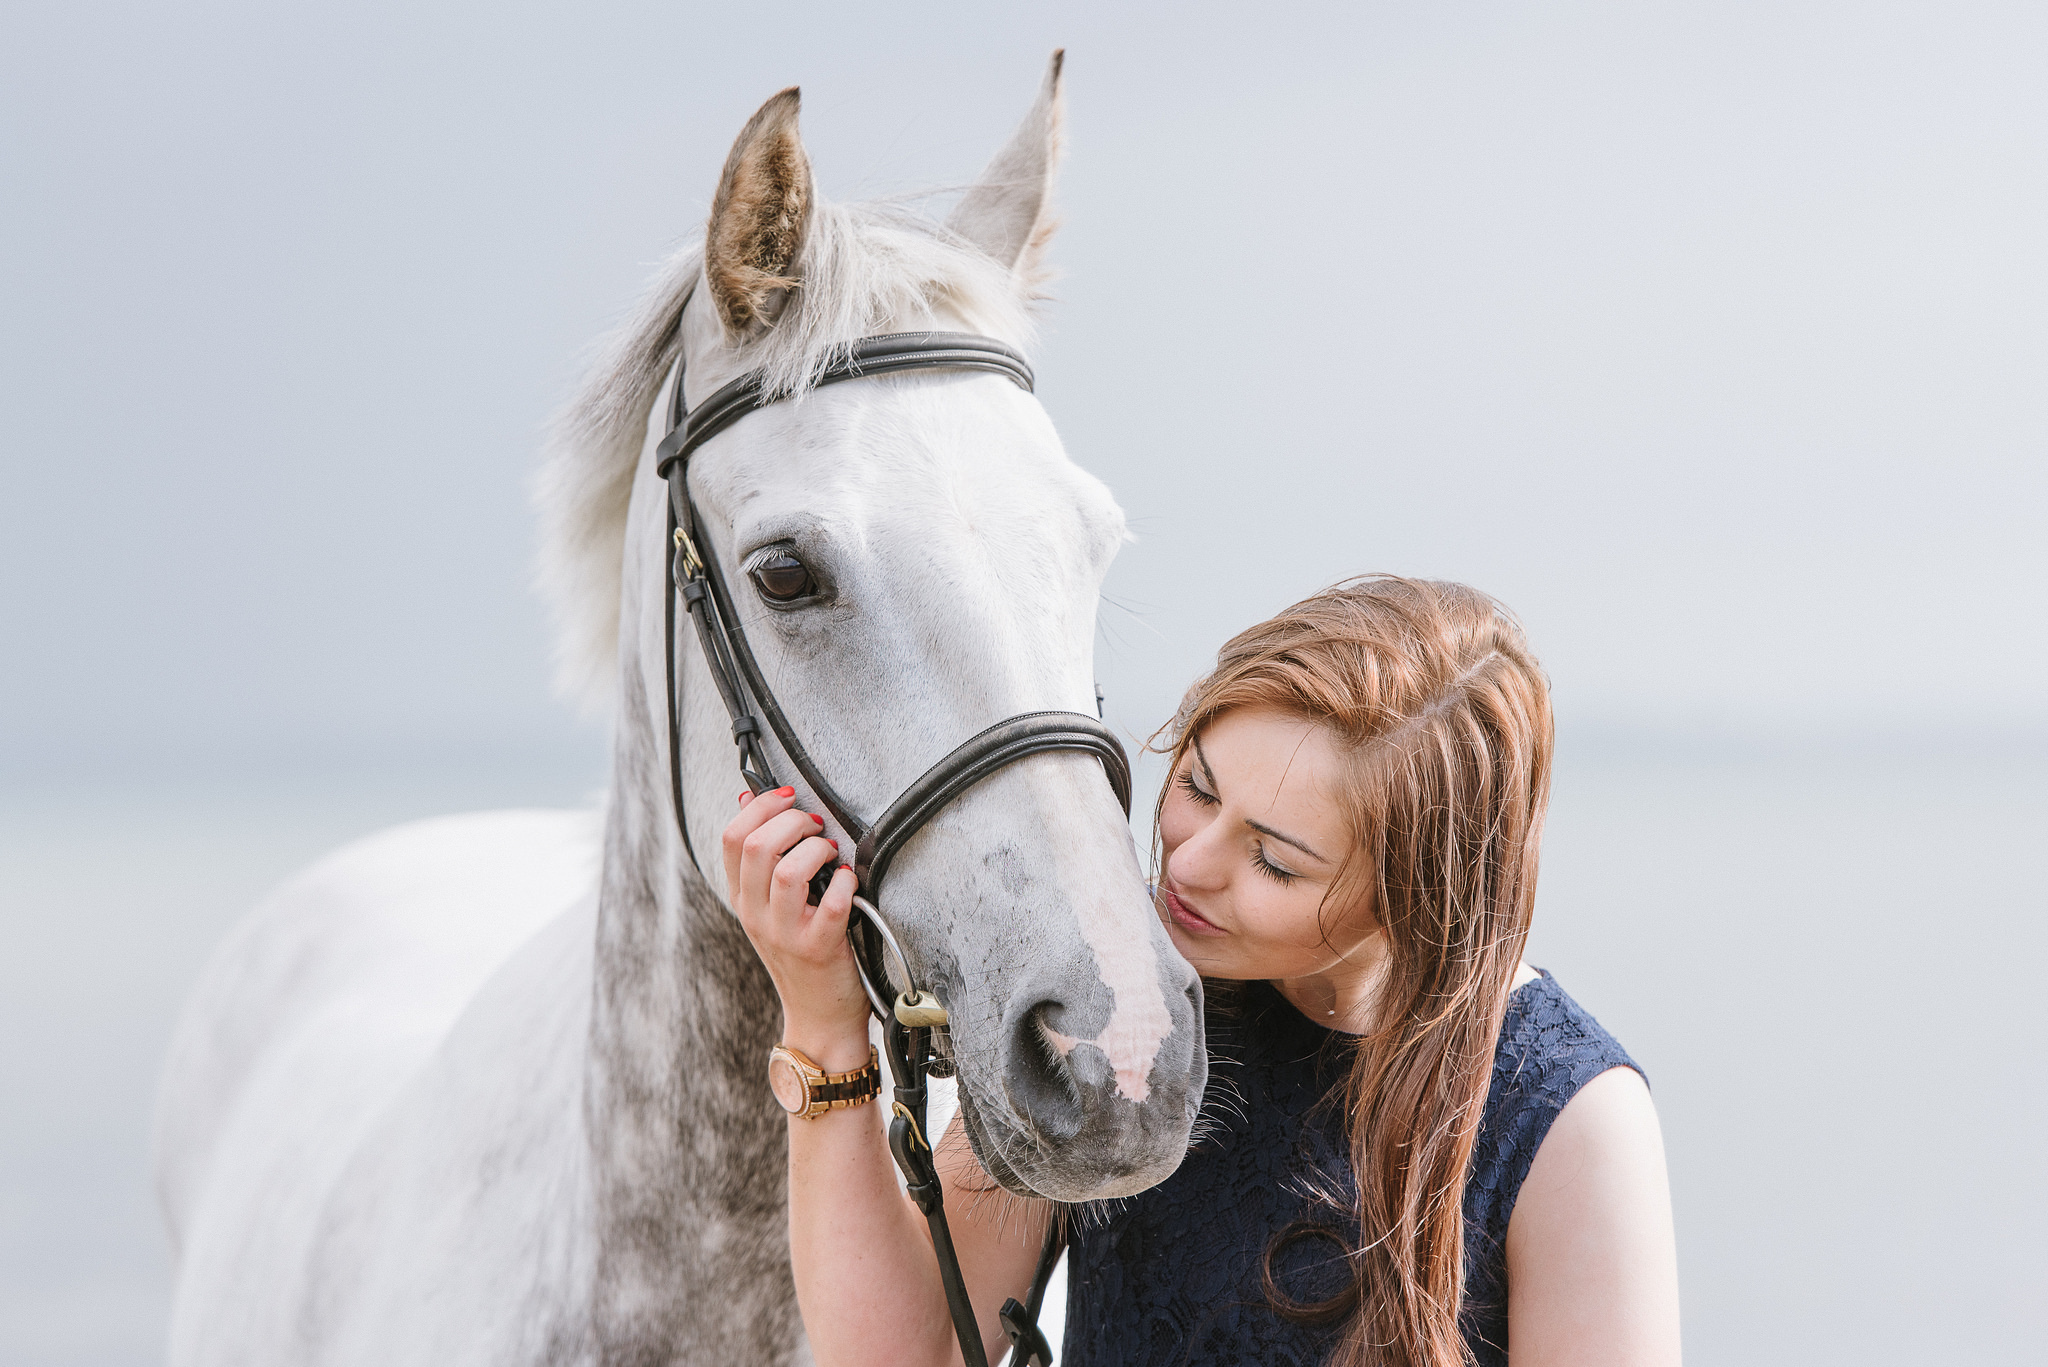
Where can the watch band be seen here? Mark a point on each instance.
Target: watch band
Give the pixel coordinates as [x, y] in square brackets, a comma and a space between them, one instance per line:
[825, 1091]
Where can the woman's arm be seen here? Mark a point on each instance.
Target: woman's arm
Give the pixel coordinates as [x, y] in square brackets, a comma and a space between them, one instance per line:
[1592, 1264]
[867, 1281]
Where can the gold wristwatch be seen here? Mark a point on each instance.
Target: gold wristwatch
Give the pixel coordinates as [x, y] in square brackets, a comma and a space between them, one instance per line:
[804, 1089]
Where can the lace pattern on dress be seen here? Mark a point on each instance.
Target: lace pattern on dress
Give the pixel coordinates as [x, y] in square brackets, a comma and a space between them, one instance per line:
[1171, 1276]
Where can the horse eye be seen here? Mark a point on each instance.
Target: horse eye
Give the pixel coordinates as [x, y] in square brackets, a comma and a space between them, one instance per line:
[783, 578]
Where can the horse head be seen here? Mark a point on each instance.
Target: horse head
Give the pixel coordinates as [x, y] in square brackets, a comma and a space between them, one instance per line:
[914, 557]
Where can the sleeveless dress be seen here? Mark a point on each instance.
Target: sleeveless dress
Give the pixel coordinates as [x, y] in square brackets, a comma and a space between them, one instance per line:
[1171, 1276]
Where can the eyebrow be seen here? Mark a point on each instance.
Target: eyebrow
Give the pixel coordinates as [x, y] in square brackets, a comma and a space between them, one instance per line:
[1261, 827]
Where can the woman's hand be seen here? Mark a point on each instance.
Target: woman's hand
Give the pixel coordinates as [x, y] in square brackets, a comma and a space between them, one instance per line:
[772, 851]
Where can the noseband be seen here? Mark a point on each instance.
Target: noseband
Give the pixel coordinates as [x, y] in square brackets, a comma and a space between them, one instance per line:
[908, 1019]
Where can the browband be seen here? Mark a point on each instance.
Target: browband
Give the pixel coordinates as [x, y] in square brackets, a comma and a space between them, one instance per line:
[886, 354]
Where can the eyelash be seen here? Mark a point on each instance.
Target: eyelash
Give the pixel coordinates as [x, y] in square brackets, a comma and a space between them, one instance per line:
[1259, 860]
[1271, 870]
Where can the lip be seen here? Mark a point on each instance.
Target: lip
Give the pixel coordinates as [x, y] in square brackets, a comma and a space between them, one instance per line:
[1186, 917]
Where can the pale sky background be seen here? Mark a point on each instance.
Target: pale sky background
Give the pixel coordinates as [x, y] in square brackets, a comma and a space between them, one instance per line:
[1710, 337]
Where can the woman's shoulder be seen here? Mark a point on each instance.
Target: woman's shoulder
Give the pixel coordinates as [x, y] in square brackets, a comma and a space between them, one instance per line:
[1550, 1047]
[1549, 1043]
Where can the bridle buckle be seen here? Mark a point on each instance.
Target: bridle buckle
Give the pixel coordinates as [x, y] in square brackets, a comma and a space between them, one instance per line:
[691, 563]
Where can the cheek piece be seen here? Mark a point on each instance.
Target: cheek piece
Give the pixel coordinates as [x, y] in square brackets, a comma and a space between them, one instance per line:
[910, 1017]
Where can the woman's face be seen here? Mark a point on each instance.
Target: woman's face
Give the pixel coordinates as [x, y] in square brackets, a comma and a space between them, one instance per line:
[1254, 832]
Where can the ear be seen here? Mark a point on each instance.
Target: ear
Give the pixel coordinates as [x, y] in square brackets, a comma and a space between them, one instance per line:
[758, 218]
[1009, 214]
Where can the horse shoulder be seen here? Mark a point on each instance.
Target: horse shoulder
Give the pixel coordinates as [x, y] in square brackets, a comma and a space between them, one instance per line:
[460, 1230]
[313, 1018]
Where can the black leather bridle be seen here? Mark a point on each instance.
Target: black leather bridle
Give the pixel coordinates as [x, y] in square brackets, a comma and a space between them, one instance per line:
[909, 1020]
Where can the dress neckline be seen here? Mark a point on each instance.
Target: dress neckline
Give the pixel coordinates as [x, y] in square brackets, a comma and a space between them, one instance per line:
[1279, 998]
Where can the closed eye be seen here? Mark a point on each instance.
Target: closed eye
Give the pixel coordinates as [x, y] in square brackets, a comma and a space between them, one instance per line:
[1194, 790]
[1270, 869]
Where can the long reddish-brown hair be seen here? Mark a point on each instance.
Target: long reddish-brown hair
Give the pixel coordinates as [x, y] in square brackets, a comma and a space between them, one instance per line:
[1444, 716]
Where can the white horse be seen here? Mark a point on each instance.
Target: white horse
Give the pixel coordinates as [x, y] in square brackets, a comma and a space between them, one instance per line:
[489, 1088]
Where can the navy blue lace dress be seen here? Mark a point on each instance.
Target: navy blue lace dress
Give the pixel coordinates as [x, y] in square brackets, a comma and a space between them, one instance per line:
[1171, 1276]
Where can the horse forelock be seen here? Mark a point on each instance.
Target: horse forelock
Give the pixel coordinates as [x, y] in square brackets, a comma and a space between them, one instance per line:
[862, 265]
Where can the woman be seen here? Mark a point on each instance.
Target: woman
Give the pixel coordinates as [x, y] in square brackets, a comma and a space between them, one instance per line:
[1414, 1147]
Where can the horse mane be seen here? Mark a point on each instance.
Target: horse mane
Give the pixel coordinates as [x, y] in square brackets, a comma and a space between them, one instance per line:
[861, 265]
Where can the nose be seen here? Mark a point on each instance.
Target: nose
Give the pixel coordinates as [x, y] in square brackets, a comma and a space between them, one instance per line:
[1203, 862]
[1102, 1115]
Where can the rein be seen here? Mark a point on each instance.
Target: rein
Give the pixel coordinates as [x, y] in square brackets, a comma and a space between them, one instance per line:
[911, 1017]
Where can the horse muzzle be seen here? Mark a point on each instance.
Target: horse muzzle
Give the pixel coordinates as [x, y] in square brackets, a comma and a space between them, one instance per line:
[1090, 1105]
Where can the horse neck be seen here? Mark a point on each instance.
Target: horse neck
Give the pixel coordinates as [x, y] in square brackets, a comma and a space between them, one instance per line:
[687, 1149]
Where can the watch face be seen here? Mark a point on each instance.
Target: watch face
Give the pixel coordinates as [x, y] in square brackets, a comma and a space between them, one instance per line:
[787, 1084]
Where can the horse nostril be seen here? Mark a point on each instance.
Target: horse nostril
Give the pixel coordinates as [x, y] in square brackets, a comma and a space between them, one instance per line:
[1037, 1074]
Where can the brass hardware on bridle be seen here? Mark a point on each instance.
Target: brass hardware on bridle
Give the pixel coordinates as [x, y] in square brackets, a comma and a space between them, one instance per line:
[692, 563]
[902, 1111]
[912, 1006]
[910, 1016]
[919, 1009]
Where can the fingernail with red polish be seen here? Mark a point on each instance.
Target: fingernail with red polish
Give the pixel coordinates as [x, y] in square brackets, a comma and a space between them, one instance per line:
[833, 843]
[744, 797]
[785, 792]
[819, 819]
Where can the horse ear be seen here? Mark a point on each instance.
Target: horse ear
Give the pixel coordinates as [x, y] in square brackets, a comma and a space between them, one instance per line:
[1009, 213]
[758, 218]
